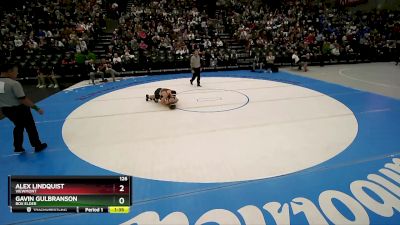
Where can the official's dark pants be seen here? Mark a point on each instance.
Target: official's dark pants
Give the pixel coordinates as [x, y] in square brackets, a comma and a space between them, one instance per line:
[22, 118]
[196, 74]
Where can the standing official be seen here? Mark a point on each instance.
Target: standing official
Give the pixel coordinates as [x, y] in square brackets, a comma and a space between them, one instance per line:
[195, 66]
[16, 107]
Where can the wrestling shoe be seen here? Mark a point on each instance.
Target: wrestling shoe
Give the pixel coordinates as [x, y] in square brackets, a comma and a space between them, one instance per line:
[41, 147]
[147, 98]
[191, 82]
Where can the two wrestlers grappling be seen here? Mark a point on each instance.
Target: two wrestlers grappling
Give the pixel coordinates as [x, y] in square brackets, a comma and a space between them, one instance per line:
[165, 96]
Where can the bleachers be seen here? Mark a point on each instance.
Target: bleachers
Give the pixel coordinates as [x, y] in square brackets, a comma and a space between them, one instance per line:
[236, 52]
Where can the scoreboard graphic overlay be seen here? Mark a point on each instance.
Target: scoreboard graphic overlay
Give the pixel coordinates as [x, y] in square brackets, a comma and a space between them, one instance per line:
[359, 185]
[99, 194]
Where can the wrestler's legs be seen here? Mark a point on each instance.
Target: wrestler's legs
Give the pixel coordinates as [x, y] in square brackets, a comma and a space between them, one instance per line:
[151, 97]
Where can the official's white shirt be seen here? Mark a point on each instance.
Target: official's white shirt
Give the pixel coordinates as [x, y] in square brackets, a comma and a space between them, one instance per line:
[296, 58]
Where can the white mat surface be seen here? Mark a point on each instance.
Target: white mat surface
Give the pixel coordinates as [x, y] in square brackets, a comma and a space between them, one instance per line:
[283, 129]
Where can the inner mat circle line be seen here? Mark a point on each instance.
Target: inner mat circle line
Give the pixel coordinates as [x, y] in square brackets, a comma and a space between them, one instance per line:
[217, 111]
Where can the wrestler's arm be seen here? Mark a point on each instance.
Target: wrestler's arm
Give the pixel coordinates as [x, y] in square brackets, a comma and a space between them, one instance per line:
[164, 98]
[172, 100]
[164, 101]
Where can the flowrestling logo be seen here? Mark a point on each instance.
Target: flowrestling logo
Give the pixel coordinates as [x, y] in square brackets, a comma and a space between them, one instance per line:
[377, 195]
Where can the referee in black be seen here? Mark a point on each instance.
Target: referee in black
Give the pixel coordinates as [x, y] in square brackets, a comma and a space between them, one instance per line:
[195, 65]
[16, 106]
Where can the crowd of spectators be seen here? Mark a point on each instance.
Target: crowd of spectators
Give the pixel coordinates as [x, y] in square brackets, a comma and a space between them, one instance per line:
[162, 34]
[317, 32]
[165, 33]
[42, 34]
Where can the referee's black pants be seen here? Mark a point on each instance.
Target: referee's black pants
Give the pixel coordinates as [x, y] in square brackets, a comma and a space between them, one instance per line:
[196, 74]
[22, 118]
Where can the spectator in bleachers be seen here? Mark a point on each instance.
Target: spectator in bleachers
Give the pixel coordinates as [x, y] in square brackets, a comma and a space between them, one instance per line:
[81, 46]
[213, 59]
[335, 51]
[143, 45]
[182, 51]
[46, 72]
[219, 43]
[93, 70]
[296, 60]
[40, 78]
[106, 68]
[51, 76]
[233, 58]
[207, 43]
[117, 62]
[269, 62]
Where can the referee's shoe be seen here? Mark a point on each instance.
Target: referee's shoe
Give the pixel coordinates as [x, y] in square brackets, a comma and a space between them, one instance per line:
[41, 147]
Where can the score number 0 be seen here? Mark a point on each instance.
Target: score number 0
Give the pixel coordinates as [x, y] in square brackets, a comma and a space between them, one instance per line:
[121, 189]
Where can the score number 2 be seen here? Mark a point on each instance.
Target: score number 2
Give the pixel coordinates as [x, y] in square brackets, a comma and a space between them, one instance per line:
[122, 186]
